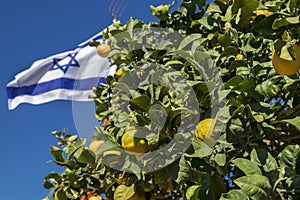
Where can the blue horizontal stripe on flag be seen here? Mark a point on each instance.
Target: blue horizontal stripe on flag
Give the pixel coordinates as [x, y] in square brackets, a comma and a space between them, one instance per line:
[62, 83]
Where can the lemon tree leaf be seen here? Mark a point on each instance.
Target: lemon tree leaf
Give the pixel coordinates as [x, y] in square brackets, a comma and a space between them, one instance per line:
[290, 157]
[174, 62]
[192, 192]
[251, 4]
[70, 150]
[234, 195]
[124, 193]
[264, 159]
[292, 4]
[189, 39]
[264, 24]
[247, 166]
[220, 159]
[86, 156]
[267, 88]
[255, 186]
[200, 149]
[47, 184]
[60, 194]
[207, 22]
[278, 23]
[294, 121]
[57, 154]
[293, 20]
[212, 187]
[142, 102]
[213, 8]
[183, 172]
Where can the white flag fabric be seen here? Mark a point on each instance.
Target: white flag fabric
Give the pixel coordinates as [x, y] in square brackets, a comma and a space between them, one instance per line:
[66, 76]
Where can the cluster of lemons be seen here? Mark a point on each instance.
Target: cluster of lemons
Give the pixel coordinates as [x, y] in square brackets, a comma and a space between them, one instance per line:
[131, 143]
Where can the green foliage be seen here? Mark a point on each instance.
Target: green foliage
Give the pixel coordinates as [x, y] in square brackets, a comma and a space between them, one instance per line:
[256, 155]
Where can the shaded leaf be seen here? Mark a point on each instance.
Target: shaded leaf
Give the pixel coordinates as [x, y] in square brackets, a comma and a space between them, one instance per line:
[263, 24]
[142, 102]
[251, 4]
[278, 23]
[47, 184]
[212, 186]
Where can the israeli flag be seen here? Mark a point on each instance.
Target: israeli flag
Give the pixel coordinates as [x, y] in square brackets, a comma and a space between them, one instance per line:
[66, 76]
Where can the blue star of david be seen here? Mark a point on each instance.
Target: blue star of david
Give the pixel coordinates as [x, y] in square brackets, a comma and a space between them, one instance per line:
[72, 63]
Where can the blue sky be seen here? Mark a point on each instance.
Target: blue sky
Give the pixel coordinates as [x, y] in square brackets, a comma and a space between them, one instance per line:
[32, 30]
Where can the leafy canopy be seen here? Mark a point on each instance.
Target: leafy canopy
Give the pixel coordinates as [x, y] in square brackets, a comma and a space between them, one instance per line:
[256, 155]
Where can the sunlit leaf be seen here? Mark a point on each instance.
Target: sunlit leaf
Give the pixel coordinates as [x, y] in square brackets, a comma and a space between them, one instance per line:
[294, 121]
[264, 159]
[247, 166]
[255, 186]
[124, 193]
[235, 195]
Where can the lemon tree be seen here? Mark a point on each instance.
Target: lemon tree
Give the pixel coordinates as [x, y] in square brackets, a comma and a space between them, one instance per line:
[247, 149]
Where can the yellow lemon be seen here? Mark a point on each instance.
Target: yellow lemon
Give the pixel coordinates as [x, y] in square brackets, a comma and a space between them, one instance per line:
[95, 198]
[239, 57]
[205, 128]
[134, 144]
[103, 50]
[120, 72]
[286, 67]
